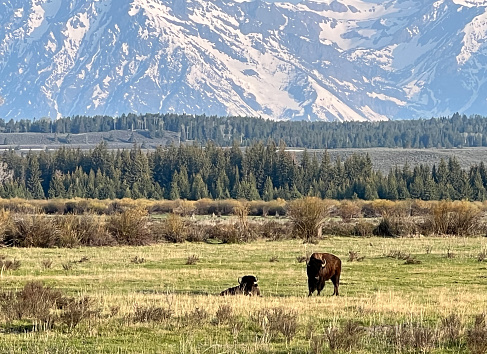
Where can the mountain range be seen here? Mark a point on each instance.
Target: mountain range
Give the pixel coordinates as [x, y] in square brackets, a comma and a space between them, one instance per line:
[330, 60]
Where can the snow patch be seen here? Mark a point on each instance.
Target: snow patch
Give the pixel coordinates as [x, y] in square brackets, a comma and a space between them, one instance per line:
[474, 38]
[383, 97]
[470, 3]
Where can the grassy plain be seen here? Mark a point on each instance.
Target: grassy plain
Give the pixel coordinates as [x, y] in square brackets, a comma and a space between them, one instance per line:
[395, 307]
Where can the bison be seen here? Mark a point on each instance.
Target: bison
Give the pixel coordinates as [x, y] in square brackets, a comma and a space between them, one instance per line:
[247, 286]
[235, 290]
[320, 268]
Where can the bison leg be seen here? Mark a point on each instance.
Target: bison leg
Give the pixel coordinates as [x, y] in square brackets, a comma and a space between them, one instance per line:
[336, 282]
[321, 285]
[311, 286]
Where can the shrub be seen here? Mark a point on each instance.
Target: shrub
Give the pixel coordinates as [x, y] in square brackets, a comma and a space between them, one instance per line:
[395, 226]
[54, 207]
[86, 230]
[275, 231]
[349, 210]
[307, 215]
[224, 314]
[450, 328]
[337, 228]
[455, 218]
[207, 206]
[196, 232]
[150, 314]
[242, 225]
[67, 266]
[274, 259]
[70, 231]
[184, 207]
[420, 208]
[34, 301]
[7, 264]
[196, 317]
[137, 260]
[346, 338]
[476, 337]
[94, 231]
[77, 310]
[386, 228]
[192, 260]
[31, 231]
[363, 228]
[173, 229]
[224, 233]
[162, 207]
[5, 222]
[414, 337]
[398, 254]
[130, 227]
[354, 256]
[46, 263]
[277, 320]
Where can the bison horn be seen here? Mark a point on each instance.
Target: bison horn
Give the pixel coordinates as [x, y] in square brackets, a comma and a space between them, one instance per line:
[240, 280]
[324, 264]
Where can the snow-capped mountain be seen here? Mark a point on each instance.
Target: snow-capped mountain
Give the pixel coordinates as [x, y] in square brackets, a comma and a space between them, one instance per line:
[315, 60]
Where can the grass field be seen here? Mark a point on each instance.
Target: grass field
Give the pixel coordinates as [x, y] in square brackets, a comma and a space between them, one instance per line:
[385, 304]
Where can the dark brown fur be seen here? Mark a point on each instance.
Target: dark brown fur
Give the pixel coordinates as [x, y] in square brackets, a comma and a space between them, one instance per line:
[318, 274]
[247, 286]
[232, 291]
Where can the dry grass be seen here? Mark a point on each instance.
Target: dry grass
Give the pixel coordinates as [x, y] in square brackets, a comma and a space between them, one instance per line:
[161, 305]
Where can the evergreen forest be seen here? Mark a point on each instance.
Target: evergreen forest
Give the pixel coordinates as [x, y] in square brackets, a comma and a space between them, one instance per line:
[444, 132]
[261, 171]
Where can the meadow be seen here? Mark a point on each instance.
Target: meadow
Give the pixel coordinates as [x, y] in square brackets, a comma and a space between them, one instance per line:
[409, 294]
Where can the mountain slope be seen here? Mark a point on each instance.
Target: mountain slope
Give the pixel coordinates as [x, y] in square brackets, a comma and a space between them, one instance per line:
[316, 60]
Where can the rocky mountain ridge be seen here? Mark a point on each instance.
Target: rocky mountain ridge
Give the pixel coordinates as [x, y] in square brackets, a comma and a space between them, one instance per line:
[315, 60]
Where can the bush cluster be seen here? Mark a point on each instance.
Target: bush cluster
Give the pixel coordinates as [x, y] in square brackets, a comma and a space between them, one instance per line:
[43, 306]
[130, 222]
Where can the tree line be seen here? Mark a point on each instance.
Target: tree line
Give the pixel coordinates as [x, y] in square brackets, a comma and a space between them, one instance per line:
[261, 171]
[446, 132]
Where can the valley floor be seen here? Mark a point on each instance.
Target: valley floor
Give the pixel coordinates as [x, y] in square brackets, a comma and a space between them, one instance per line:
[151, 300]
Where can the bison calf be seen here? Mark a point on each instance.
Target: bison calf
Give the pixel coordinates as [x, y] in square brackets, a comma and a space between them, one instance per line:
[247, 286]
[320, 268]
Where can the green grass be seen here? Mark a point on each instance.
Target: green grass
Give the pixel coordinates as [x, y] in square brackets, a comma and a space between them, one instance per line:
[378, 292]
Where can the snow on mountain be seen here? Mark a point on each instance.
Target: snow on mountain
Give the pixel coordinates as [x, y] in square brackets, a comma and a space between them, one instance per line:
[314, 60]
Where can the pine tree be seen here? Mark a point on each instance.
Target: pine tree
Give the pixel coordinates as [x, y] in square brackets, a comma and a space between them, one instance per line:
[268, 194]
[34, 181]
[56, 188]
[478, 190]
[199, 190]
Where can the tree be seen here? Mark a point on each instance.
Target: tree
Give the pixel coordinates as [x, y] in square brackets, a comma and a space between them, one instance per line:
[307, 215]
[34, 181]
[56, 189]
[199, 190]
[268, 194]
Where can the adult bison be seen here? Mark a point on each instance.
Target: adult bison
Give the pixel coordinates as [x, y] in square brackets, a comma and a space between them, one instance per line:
[247, 285]
[320, 268]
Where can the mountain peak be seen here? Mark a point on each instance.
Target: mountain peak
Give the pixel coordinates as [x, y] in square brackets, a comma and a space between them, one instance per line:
[315, 60]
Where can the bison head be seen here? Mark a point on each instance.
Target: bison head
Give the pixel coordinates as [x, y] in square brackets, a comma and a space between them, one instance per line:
[314, 267]
[248, 283]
